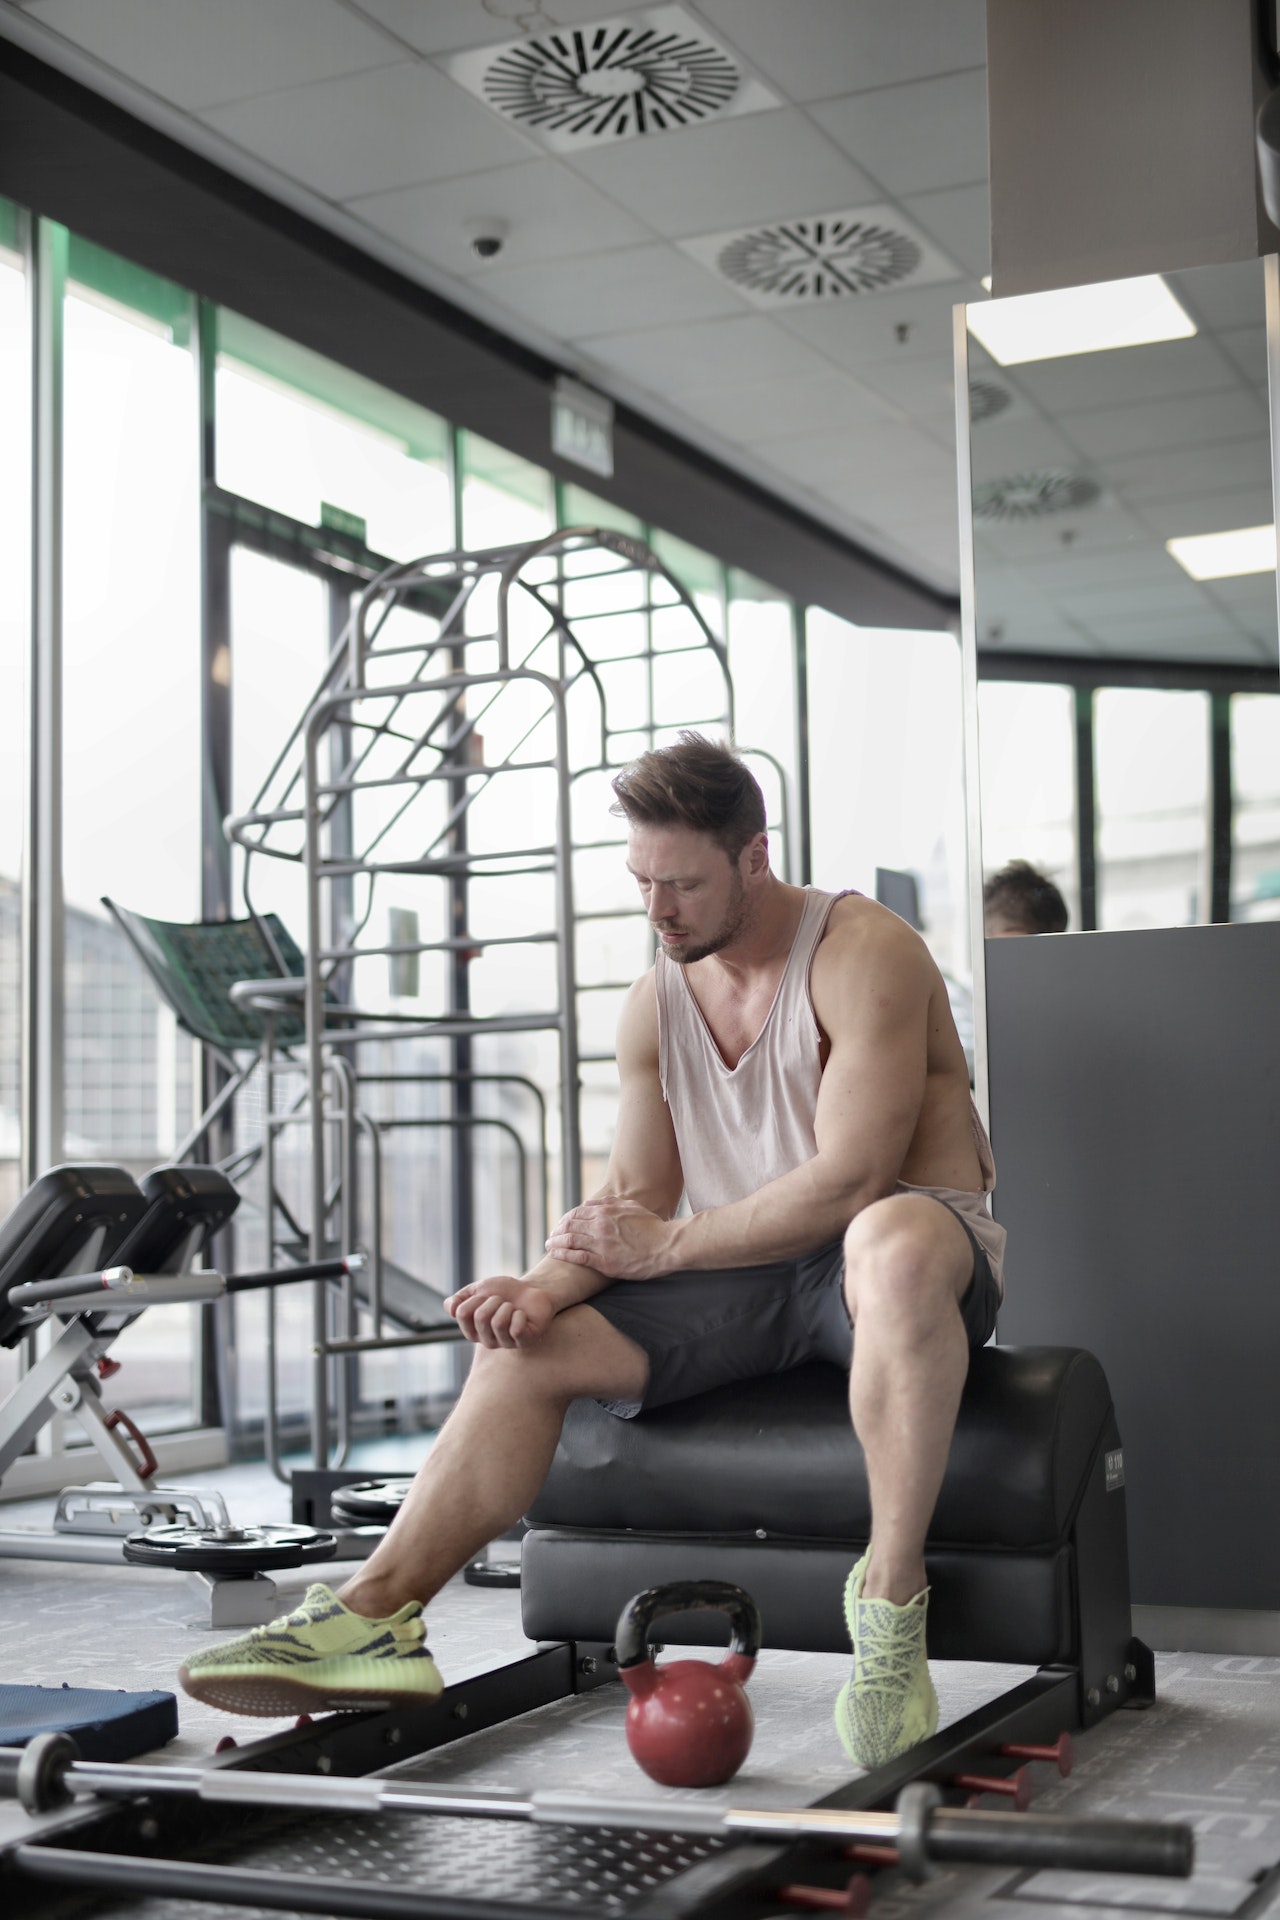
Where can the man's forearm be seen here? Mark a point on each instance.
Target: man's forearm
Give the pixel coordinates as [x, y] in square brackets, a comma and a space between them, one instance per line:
[568, 1285]
[805, 1209]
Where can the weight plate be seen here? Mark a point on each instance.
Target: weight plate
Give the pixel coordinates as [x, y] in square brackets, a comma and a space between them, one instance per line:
[369, 1500]
[233, 1550]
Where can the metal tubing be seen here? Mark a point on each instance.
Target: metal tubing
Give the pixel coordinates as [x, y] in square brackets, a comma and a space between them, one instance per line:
[1092, 1845]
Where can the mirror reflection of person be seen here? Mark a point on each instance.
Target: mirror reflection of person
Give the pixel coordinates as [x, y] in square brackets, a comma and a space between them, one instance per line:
[1019, 899]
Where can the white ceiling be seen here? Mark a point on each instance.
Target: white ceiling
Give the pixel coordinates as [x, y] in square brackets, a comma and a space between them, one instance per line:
[348, 110]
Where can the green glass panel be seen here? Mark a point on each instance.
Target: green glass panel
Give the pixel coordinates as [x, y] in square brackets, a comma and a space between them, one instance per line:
[131, 286]
[423, 434]
[699, 573]
[578, 508]
[508, 473]
[10, 226]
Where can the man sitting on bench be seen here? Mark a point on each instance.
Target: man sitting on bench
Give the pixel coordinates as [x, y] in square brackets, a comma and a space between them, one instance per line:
[790, 1065]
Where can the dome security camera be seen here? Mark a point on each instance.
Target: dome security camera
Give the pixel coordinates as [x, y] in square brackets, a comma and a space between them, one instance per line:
[486, 238]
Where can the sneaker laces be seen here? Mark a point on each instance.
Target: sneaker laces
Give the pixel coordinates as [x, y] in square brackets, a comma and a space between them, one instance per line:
[887, 1667]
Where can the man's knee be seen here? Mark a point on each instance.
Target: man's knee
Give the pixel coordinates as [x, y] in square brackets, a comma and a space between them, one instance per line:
[904, 1259]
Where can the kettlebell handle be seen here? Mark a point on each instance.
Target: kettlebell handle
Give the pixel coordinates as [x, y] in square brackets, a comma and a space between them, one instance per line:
[631, 1643]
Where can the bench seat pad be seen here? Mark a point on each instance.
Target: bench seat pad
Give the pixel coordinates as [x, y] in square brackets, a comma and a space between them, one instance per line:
[776, 1458]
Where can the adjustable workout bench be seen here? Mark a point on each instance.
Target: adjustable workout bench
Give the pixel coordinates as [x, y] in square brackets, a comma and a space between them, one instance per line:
[89, 1250]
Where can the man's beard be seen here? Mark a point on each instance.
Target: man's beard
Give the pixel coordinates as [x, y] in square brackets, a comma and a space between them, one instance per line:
[735, 917]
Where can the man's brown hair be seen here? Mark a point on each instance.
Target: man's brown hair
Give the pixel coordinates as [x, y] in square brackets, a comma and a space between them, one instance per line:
[696, 783]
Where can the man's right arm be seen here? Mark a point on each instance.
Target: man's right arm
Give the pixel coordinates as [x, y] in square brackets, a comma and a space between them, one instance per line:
[644, 1166]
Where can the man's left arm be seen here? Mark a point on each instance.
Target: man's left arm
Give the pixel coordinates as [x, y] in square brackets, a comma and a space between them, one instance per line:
[871, 987]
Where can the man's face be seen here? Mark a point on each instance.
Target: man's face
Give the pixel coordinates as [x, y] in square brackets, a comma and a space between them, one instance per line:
[694, 895]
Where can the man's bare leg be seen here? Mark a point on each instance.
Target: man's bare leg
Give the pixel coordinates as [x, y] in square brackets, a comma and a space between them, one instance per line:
[493, 1454]
[908, 1262]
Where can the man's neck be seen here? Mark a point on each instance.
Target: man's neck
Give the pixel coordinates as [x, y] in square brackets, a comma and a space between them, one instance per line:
[761, 949]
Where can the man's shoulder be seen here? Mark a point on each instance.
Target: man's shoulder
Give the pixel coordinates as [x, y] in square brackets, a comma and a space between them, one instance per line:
[858, 925]
[865, 940]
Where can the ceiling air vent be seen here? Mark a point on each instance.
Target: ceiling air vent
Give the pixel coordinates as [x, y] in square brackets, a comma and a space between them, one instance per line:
[1033, 496]
[641, 73]
[823, 256]
[986, 400]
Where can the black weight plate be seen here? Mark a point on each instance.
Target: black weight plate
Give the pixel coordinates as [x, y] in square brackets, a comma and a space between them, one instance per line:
[369, 1500]
[233, 1550]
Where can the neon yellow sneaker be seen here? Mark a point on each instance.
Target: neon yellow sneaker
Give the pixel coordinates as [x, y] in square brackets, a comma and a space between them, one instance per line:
[321, 1656]
[888, 1704]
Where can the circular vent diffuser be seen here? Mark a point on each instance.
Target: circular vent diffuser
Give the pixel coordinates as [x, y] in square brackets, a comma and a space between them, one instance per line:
[818, 259]
[986, 400]
[610, 81]
[1033, 496]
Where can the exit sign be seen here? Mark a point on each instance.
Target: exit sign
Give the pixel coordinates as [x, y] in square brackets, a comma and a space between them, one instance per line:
[582, 426]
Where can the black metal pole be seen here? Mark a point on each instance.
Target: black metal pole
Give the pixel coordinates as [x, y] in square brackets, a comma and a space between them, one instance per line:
[1086, 818]
[1220, 807]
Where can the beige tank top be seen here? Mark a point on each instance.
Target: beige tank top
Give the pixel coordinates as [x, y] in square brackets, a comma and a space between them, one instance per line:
[738, 1128]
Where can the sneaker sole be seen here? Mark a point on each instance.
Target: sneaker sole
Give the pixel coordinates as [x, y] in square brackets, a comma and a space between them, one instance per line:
[272, 1697]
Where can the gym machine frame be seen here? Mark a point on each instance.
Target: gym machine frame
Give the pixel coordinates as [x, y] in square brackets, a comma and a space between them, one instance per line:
[306, 810]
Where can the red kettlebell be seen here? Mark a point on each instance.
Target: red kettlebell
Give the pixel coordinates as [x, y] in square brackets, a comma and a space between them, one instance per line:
[689, 1724]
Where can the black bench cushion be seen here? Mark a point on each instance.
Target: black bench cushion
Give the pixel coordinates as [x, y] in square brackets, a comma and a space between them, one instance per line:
[776, 1458]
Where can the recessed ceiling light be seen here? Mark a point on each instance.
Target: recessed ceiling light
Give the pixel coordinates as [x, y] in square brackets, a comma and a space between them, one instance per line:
[1048, 326]
[1217, 556]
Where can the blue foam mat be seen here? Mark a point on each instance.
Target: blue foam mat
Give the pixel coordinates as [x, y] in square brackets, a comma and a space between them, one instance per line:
[105, 1724]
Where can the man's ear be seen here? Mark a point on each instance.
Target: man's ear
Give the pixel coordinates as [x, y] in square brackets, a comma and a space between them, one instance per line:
[756, 855]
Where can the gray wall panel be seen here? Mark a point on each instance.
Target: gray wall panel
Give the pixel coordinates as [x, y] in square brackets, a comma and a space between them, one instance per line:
[1135, 1107]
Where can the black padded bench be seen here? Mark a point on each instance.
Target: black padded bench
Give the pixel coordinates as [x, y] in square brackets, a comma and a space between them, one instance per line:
[764, 1484]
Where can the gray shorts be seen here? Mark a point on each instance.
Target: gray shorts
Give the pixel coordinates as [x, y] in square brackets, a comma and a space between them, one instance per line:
[706, 1329]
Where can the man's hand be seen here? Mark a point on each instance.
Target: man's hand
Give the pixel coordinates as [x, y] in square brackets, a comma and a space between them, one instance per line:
[619, 1238]
[502, 1312]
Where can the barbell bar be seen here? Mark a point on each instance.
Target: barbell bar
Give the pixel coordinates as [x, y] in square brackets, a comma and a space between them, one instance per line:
[48, 1772]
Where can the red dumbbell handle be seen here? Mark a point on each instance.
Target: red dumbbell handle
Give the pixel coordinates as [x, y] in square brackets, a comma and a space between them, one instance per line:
[1061, 1754]
[868, 1854]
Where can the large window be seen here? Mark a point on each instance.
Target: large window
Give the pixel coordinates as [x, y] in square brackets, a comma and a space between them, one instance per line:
[886, 775]
[1255, 767]
[1151, 754]
[1027, 763]
[15, 474]
[305, 436]
[130, 714]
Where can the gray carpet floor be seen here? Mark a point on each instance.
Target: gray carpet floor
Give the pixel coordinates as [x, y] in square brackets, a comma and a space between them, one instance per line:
[1208, 1752]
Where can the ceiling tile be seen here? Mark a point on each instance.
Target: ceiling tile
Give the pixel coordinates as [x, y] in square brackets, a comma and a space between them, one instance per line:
[612, 292]
[959, 218]
[677, 360]
[767, 166]
[447, 26]
[548, 213]
[817, 49]
[1223, 296]
[922, 386]
[928, 133]
[1210, 513]
[1146, 479]
[878, 455]
[763, 411]
[198, 55]
[1167, 368]
[1247, 348]
[894, 325]
[367, 132]
[1111, 432]
[1019, 446]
